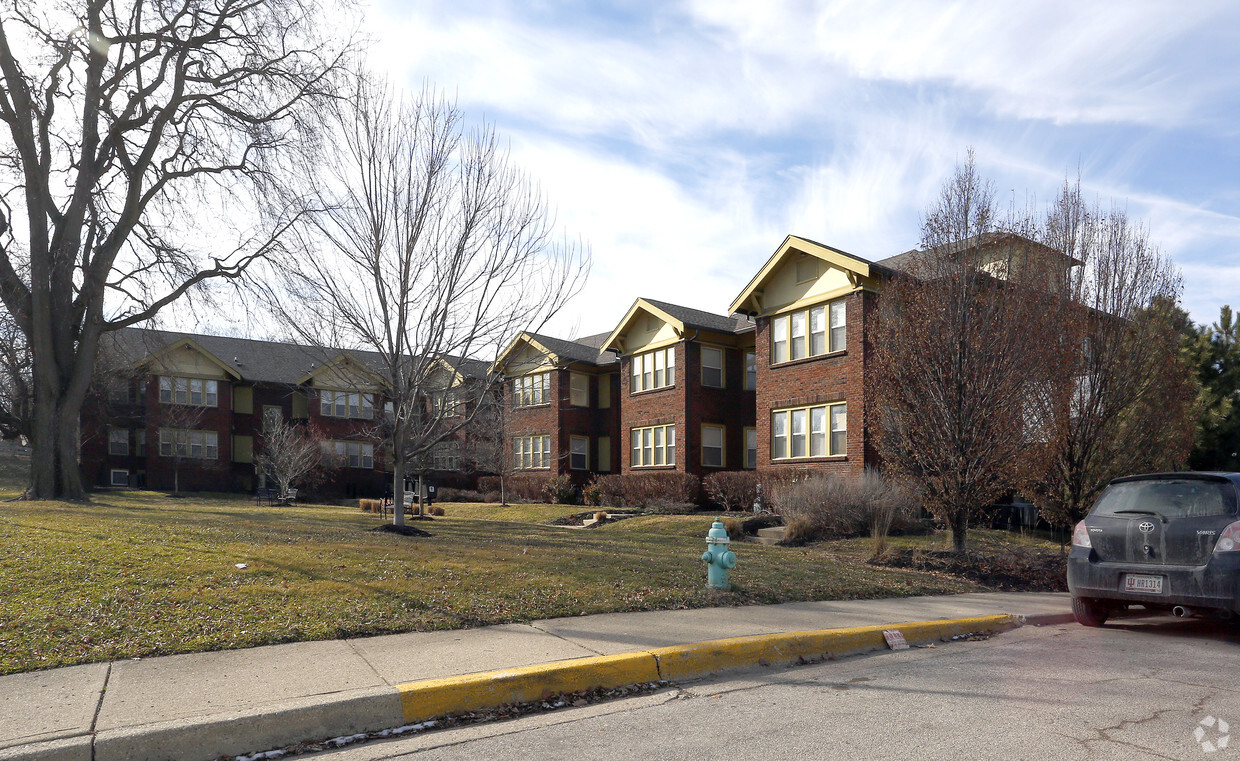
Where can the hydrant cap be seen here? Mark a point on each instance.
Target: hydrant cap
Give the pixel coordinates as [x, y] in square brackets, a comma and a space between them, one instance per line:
[717, 531]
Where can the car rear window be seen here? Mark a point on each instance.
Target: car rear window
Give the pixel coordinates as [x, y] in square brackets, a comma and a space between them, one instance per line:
[1170, 498]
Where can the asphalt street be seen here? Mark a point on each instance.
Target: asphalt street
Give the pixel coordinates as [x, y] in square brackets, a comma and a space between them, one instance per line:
[1157, 688]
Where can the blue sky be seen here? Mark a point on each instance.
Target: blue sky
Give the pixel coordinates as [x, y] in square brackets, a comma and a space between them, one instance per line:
[684, 140]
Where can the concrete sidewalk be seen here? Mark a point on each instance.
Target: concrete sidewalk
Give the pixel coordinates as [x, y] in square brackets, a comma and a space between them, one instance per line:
[200, 706]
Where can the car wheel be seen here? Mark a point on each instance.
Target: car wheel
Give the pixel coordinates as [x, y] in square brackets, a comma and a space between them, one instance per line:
[1089, 612]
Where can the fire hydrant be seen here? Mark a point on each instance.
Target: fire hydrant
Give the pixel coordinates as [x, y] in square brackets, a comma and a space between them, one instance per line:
[718, 557]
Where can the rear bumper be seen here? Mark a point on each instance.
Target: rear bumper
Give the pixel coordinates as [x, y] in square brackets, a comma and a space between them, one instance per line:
[1213, 585]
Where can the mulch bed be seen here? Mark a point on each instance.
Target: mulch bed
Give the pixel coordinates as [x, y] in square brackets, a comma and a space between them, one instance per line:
[579, 519]
[402, 530]
[1003, 571]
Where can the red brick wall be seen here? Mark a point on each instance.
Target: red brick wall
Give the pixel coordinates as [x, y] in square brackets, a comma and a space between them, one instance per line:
[561, 420]
[658, 407]
[831, 378]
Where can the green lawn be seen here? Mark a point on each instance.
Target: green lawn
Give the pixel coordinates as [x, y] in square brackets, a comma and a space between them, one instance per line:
[140, 574]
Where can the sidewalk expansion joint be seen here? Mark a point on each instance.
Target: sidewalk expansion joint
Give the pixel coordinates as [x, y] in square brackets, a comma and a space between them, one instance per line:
[369, 665]
[565, 639]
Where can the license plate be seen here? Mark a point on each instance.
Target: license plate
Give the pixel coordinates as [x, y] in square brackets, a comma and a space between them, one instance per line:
[1136, 582]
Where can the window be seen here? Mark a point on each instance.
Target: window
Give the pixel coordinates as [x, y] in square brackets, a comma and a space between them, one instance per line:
[532, 390]
[604, 454]
[579, 394]
[751, 371]
[712, 367]
[120, 478]
[712, 446]
[531, 452]
[579, 453]
[273, 415]
[751, 447]
[654, 369]
[118, 441]
[446, 455]
[444, 403]
[654, 445]
[140, 442]
[202, 445]
[816, 431]
[343, 404]
[195, 391]
[806, 333]
[348, 454]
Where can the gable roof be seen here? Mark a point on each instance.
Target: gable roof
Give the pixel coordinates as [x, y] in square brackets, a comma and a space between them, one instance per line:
[587, 350]
[905, 261]
[253, 360]
[680, 318]
[793, 244]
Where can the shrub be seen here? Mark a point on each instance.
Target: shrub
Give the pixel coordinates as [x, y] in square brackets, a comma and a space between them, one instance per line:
[560, 490]
[370, 505]
[591, 494]
[524, 488]
[832, 507]
[490, 496]
[437, 510]
[732, 490]
[645, 489]
[600, 516]
[736, 531]
[448, 494]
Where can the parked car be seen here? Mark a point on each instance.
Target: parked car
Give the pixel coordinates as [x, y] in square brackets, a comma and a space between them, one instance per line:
[1166, 541]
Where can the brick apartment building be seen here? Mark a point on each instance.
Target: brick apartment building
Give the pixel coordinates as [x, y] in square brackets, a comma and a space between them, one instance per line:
[190, 409]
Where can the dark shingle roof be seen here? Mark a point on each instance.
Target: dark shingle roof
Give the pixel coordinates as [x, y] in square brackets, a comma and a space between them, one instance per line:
[696, 318]
[258, 361]
[582, 350]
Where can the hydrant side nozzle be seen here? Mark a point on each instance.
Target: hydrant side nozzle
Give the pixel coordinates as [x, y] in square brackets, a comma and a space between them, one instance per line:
[706, 556]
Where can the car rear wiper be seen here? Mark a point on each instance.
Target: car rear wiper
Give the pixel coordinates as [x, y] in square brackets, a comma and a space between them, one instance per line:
[1161, 517]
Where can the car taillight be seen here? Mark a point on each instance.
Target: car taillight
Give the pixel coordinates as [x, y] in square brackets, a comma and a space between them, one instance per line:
[1229, 540]
[1080, 536]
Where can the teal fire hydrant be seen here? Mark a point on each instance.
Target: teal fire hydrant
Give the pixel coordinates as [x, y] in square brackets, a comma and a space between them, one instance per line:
[718, 557]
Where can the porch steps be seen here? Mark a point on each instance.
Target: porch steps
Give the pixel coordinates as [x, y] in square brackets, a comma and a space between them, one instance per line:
[771, 535]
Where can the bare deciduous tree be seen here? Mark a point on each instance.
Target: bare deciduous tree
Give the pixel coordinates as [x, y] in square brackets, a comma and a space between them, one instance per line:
[1115, 397]
[178, 424]
[289, 453]
[432, 250]
[954, 337]
[139, 140]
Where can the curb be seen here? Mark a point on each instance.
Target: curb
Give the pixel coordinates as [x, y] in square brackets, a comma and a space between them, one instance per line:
[376, 709]
[1046, 619]
[438, 697]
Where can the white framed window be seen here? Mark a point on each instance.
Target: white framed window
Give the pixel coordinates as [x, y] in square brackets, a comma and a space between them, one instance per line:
[446, 455]
[118, 441]
[348, 454]
[653, 445]
[712, 446]
[531, 390]
[345, 404]
[816, 431]
[809, 332]
[531, 452]
[119, 477]
[445, 403]
[712, 367]
[139, 438]
[751, 448]
[751, 371]
[579, 389]
[198, 392]
[201, 445]
[579, 453]
[654, 369]
[273, 414]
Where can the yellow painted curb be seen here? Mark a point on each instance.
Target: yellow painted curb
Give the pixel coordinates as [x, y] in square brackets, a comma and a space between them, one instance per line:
[475, 692]
[685, 661]
[460, 694]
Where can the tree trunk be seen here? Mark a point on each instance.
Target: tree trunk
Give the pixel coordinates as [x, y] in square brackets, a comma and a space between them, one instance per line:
[398, 492]
[960, 532]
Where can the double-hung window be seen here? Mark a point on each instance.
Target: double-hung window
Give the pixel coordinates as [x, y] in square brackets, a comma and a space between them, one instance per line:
[712, 446]
[815, 431]
[348, 454]
[531, 452]
[579, 392]
[751, 371]
[654, 369]
[200, 445]
[196, 391]
[118, 441]
[712, 367]
[653, 445]
[579, 453]
[531, 390]
[809, 332]
[751, 448]
[343, 404]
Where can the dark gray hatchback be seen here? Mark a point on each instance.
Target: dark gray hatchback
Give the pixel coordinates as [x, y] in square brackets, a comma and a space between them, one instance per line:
[1166, 541]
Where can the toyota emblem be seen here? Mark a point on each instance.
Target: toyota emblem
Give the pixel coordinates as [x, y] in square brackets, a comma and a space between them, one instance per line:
[1147, 527]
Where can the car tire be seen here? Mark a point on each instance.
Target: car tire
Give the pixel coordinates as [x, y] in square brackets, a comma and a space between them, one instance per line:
[1089, 612]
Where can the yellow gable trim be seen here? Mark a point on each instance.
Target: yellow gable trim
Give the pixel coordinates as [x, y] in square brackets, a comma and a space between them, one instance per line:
[750, 299]
[522, 338]
[336, 365]
[192, 345]
[615, 340]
